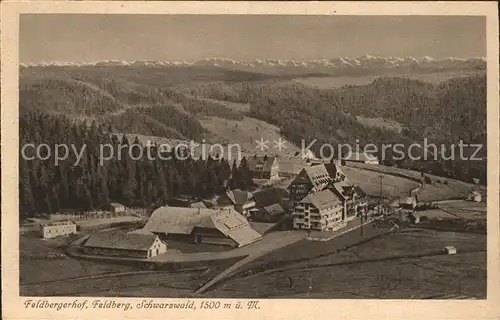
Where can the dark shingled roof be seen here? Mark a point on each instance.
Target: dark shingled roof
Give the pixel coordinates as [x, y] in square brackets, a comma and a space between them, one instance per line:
[119, 240]
[275, 209]
[239, 197]
[270, 196]
[318, 175]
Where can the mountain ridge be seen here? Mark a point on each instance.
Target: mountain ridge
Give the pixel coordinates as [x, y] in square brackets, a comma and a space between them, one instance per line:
[361, 62]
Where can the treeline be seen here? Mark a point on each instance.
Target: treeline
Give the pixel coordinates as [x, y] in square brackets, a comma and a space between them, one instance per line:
[126, 105]
[159, 120]
[90, 184]
[98, 94]
[446, 114]
[451, 111]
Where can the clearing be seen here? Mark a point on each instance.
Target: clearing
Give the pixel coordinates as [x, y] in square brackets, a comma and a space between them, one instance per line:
[338, 82]
[392, 186]
[438, 190]
[246, 132]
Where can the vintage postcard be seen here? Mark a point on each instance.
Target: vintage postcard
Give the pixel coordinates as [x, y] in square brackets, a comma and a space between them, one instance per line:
[258, 160]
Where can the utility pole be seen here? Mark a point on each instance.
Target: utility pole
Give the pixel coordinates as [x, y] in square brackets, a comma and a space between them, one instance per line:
[362, 224]
[381, 193]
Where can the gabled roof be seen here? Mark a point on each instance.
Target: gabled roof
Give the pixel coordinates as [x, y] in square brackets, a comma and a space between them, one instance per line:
[239, 197]
[322, 199]
[339, 190]
[116, 204]
[317, 175]
[333, 169]
[269, 196]
[359, 192]
[275, 209]
[58, 223]
[256, 162]
[119, 240]
[179, 220]
[345, 190]
[407, 200]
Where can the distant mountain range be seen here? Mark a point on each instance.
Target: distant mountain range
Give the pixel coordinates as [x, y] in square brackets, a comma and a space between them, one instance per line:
[341, 65]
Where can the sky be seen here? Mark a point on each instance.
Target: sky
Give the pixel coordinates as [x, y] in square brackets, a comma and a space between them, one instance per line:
[94, 37]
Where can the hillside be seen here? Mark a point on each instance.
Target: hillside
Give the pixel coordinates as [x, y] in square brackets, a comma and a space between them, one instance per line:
[221, 105]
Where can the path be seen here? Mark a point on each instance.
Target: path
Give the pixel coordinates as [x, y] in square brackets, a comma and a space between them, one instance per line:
[250, 258]
[110, 275]
[292, 237]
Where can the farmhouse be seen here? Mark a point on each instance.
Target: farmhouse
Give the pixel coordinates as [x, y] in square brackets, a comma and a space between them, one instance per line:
[242, 201]
[223, 227]
[474, 196]
[408, 203]
[263, 167]
[272, 213]
[305, 154]
[362, 157]
[119, 243]
[321, 211]
[57, 228]
[116, 207]
[309, 180]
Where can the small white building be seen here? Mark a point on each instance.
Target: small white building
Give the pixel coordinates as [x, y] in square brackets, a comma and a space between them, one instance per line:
[450, 250]
[474, 196]
[57, 228]
[408, 203]
[116, 207]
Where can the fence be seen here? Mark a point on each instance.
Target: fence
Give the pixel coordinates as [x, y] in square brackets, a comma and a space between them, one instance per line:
[99, 214]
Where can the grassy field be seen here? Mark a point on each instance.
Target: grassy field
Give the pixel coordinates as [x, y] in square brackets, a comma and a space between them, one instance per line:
[380, 123]
[246, 132]
[393, 187]
[403, 279]
[430, 192]
[466, 209]
[307, 250]
[374, 270]
[37, 266]
[459, 209]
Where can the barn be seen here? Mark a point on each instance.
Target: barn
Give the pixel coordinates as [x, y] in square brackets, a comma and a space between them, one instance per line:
[57, 228]
[121, 244]
[197, 225]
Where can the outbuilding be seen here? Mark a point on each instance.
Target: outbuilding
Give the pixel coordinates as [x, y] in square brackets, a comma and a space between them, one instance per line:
[121, 244]
[57, 228]
[116, 207]
[450, 250]
[474, 196]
